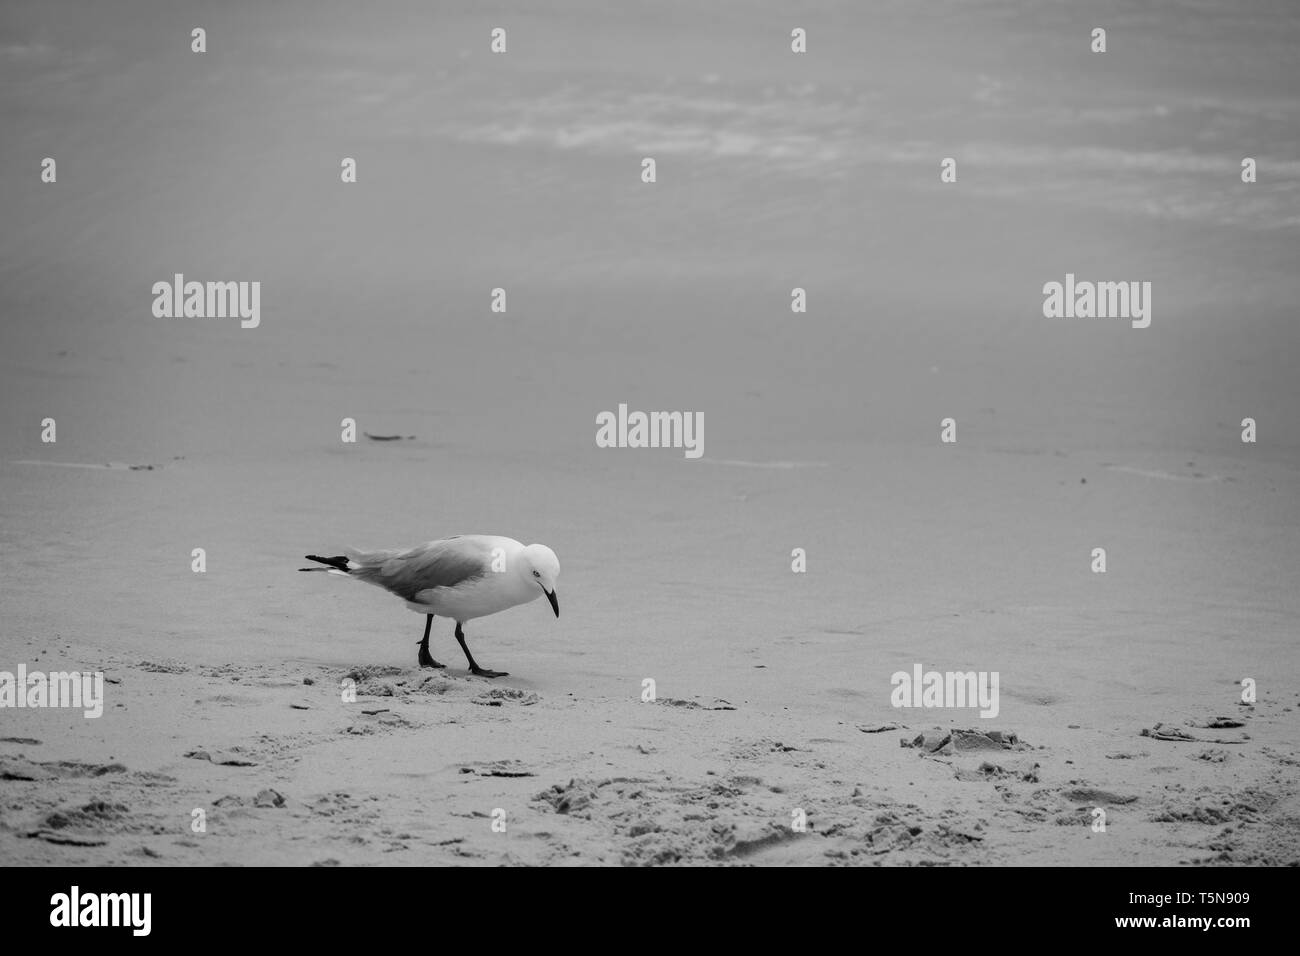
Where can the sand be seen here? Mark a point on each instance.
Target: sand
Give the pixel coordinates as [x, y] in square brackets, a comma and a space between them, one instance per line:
[752, 722]
[822, 434]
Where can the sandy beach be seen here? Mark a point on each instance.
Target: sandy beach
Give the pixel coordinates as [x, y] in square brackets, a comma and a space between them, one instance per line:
[225, 689]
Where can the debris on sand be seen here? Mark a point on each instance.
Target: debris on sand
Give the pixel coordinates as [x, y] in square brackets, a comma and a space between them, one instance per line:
[718, 704]
[224, 758]
[498, 768]
[881, 728]
[1167, 732]
[269, 798]
[1216, 723]
[965, 741]
[1173, 732]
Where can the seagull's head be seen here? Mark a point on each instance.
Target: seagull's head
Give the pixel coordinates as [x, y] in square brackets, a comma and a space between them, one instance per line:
[543, 568]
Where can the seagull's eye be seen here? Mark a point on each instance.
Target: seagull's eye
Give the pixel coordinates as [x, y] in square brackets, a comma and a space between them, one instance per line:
[536, 574]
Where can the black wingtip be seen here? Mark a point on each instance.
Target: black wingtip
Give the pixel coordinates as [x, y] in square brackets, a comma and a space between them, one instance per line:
[340, 562]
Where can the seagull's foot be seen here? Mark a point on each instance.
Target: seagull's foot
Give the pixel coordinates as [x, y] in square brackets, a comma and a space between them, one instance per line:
[426, 660]
[484, 672]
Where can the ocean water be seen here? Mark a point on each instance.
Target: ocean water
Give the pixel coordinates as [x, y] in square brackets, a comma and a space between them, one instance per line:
[775, 171]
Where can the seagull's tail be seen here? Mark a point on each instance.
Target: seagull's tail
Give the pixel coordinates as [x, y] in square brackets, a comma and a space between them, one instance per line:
[336, 565]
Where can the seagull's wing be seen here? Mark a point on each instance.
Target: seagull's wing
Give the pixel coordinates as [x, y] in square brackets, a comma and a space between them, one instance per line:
[439, 564]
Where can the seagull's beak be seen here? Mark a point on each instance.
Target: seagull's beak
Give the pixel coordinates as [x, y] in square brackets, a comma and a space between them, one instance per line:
[555, 602]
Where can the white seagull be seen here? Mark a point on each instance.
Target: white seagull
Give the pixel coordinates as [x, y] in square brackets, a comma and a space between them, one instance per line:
[461, 577]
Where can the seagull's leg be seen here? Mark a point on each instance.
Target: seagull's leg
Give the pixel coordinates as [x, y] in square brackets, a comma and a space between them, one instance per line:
[425, 659]
[473, 666]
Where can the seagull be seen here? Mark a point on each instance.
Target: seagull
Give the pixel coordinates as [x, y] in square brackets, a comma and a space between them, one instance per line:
[461, 577]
